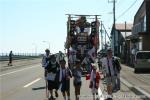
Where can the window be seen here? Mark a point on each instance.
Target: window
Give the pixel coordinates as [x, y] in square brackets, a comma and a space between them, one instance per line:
[140, 27]
[144, 24]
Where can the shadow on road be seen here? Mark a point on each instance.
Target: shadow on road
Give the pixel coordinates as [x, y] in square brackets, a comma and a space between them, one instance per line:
[39, 88]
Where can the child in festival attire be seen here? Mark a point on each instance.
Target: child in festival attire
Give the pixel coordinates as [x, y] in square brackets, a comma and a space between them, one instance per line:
[64, 75]
[77, 74]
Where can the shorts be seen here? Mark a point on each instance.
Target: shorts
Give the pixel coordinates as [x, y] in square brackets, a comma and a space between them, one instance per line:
[65, 86]
[77, 83]
[52, 85]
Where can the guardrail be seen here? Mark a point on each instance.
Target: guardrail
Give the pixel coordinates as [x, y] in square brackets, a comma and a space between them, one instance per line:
[6, 58]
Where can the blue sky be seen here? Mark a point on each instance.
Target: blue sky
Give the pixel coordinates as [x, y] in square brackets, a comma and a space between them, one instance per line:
[24, 24]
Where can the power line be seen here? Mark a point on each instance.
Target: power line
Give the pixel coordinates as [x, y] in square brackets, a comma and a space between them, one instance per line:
[106, 32]
[127, 9]
[119, 2]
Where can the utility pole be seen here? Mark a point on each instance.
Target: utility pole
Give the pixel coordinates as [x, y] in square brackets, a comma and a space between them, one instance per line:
[125, 45]
[125, 30]
[105, 40]
[101, 36]
[114, 13]
[114, 24]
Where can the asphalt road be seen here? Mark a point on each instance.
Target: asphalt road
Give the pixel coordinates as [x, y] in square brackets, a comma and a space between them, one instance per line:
[27, 83]
[139, 81]
[18, 63]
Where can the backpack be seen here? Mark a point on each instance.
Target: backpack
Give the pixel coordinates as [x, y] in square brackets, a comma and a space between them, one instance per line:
[116, 64]
[52, 64]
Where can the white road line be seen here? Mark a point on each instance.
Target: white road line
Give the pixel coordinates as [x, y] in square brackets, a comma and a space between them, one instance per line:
[137, 88]
[142, 91]
[126, 82]
[16, 71]
[32, 82]
[100, 94]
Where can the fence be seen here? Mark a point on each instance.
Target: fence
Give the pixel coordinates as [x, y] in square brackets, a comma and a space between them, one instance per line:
[17, 56]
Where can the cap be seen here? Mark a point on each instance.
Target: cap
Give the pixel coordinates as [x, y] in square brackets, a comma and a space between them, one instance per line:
[47, 50]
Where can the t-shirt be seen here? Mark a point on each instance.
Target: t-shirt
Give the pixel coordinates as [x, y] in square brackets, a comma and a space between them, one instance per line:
[64, 73]
[77, 73]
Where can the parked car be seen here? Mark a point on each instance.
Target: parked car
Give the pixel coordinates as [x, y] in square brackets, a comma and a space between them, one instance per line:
[142, 61]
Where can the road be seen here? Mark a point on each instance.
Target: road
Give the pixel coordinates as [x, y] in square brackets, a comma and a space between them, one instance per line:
[27, 83]
[18, 63]
[140, 82]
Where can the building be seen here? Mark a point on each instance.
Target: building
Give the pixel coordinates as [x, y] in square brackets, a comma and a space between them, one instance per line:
[119, 44]
[128, 38]
[140, 37]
